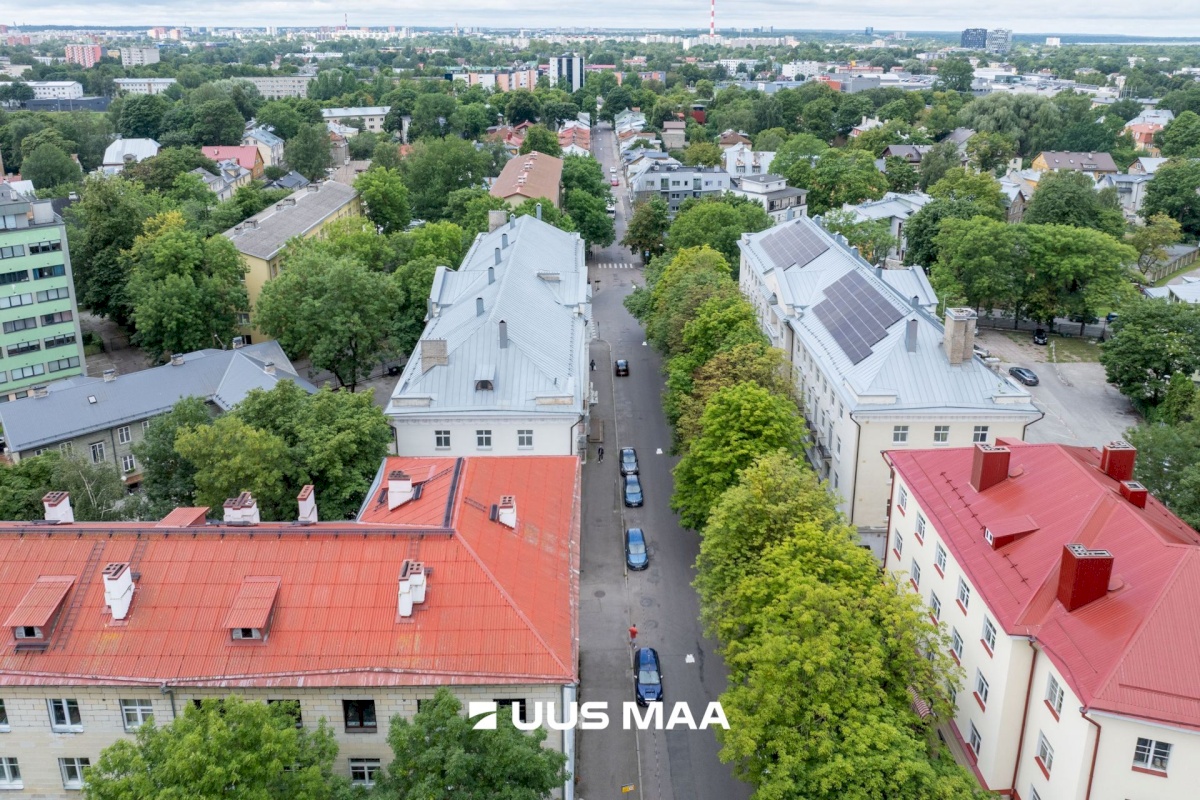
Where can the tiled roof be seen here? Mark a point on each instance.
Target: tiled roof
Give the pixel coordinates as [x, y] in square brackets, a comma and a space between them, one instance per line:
[1135, 651]
[1079, 162]
[265, 233]
[530, 175]
[501, 604]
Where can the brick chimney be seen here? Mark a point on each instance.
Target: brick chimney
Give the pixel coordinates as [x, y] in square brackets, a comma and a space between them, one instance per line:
[242, 510]
[507, 511]
[959, 341]
[411, 590]
[1135, 493]
[58, 508]
[989, 467]
[400, 488]
[1083, 575]
[1117, 460]
[307, 500]
[118, 589]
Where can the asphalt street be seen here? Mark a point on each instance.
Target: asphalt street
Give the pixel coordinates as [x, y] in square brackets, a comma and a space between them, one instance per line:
[660, 601]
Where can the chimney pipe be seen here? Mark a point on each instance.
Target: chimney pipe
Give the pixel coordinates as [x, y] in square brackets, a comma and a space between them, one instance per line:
[497, 261]
[504, 240]
[307, 501]
[479, 306]
[508, 511]
[1083, 575]
[989, 467]
[1117, 460]
[118, 589]
[400, 489]
[110, 375]
[58, 508]
[496, 219]
[242, 509]
[177, 359]
[910, 336]
[41, 390]
[512, 220]
[959, 341]
[269, 367]
[503, 334]
[1135, 493]
[539, 211]
[492, 270]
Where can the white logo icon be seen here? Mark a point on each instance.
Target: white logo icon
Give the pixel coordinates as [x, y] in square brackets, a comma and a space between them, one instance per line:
[486, 709]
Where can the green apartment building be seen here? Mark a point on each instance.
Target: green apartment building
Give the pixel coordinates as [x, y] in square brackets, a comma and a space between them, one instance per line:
[39, 325]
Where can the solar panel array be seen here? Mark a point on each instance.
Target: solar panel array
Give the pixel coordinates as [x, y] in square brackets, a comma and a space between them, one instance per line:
[794, 244]
[856, 315]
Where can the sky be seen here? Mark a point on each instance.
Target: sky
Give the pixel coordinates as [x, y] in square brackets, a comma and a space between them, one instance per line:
[1160, 18]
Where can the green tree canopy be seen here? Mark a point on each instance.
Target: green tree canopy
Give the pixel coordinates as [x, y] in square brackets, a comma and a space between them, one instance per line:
[168, 480]
[142, 116]
[702, 154]
[1175, 192]
[647, 228]
[591, 219]
[541, 139]
[1181, 137]
[1070, 198]
[939, 160]
[159, 172]
[921, 232]
[872, 238]
[386, 199]
[437, 167]
[794, 159]
[218, 122]
[963, 185]
[1168, 464]
[49, 166]
[844, 176]
[307, 151]
[719, 224]
[520, 106]
[1152, 340]
[955, 75]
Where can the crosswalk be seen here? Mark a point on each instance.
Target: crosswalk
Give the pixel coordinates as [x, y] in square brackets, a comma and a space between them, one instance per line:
[616, 265]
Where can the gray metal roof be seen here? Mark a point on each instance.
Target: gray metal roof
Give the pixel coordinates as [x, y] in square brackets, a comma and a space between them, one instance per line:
[265, 136]
[890, 206]
[265, 234]
[354, 111]
[140, 149]
[540, 291]
[67, 411]
[890, 378]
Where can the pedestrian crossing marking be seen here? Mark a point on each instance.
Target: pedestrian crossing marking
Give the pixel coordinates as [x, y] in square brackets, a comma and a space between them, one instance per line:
[616, 265]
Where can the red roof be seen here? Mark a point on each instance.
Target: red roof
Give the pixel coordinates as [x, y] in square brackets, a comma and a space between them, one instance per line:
[1135, 651]
[246, 155]
[501, 605]
[252, 606]
[40, 602]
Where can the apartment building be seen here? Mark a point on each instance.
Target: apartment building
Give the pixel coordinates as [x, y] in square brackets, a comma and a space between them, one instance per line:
[674, 183]
[85, 55]
[1067, 592]
[270, 146]
[779, 200]
[501, 367]
[56, 90]
[502, 80]
[372, 116]
[875, 368]
[143, 85]
[743, 159]
[139, 56]
[99, 616]
[277, 87]
[39, 325]
[567, 72]
[895, 209]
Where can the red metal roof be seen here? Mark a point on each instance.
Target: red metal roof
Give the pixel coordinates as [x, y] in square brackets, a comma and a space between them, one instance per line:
[1135, 651]
[252, 606]
[246, 155]
[500, 607]
[40, 602]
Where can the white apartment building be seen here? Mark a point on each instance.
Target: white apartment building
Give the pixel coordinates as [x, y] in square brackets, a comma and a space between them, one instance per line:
[277, 87]
[501, 367]
[743, 159]
[895, 209]
[876, 370]
[674, 182]
[371, 116]
[56, 90]
[139, 56]
[803, 69]
[566, 72]
[780, 201]
[1068, 594]
[143, 85]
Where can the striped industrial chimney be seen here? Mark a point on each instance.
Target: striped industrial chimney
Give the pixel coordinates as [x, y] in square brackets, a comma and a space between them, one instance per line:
[712, 22]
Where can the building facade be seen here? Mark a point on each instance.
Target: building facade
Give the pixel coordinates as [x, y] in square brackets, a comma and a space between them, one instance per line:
[999, 41]
[56, 90]
[501, 367]
[780, 201]
[85, 55]
[503, 80]
[743, 159]
[139, 56]
[567, 72]
[143, 85]
[974, 39]
[895, 209]
[277, 87]
[372, 116]
[270, 146]
[39, 325]
[1065, 591]
[674, 183]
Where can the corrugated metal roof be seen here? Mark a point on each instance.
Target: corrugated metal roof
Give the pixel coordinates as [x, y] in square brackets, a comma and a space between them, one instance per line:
[264, 234]
[501, 605]
[890, 206]
[40, 602]
[1135, 651]
[252, 606]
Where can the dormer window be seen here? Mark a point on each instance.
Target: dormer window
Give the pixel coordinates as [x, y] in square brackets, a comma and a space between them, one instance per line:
[249, 618]
[34, 619]
[484, 386]
[485, 378]
[27, 632]
[247, 633]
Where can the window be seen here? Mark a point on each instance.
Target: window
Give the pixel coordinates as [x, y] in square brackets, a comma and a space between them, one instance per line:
[1033, 794]
[981, 688]
[24, 347]
[897, 543]
[939, 559]
[123, 434]
[360, 715]
[16, 276]
[920, 527]
[935, 603]
[941, 434]
[97, 452]
[64, 716]
[67, 448]
[17, 300]
[61, 293]
[246, 633]
[964, 594]
[1054, 695]
[243, 318]
[903, 501]
[900, 434]
[525, 439]
[975, 740]
[980, 434]
[57, 317]
[1150, 754]
[363, 771]
[10, 774]
[3, 717]
[145, 425]
[59, 341]
[45, 247]
[56, 271]
[989, 634]
[838, 450]
[72, 771]
[916, 573]
[483, 440]
[128, 463]
[1045, 753]
[27, 372]
[956, 643]
[136, 712]
[518, 704]
[292, 707]
[60, 364]
[15, 251]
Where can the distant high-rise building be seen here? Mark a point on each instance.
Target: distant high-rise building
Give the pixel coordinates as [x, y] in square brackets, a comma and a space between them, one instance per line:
[138, 56]
[974, 38]
[1053, 41]
[566, 72]
[999, 40]
[868, 31]
[85, 55]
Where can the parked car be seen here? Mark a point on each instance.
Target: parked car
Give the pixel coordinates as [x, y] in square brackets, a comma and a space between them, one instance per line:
[622, 368]
[647, 679]
[1024, 375]
[1111, 316]
[981, 351]
[610, 208]
[633, 491]
[614, 182]
[636, 555]
[629, 462]
[612, 170]
[1039, 336]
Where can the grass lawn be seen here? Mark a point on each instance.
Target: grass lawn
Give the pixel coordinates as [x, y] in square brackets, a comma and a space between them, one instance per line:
[1061, 349]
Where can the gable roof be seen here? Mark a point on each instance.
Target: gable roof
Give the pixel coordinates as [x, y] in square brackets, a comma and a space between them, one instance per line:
[891, 206]
[501, 607]
[224, 377]
[1078, 162]
[137, 149]
[245, 154]
[265, 234]
[530, 175]
[1135, 651]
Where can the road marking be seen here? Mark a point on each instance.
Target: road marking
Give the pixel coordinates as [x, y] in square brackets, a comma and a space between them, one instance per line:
[616, 265]
[691, 659]
[658, 452]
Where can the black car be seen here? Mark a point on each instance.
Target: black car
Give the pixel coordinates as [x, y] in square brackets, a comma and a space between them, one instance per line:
[629, 462]
[647, 679]
[1039, 336]
[622, 367]
[636, 555]
[1025, 376]
[633, 491]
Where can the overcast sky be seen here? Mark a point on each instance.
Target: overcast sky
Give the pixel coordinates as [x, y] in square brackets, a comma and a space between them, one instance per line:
[1159, 18]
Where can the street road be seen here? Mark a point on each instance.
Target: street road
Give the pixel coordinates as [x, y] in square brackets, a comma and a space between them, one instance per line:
[660, 601]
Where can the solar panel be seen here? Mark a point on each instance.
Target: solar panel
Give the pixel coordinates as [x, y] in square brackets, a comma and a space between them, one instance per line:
[856, 315]
[793, 244]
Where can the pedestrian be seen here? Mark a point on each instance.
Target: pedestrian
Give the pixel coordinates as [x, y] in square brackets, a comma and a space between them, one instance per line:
[593, 365]
[600, 453]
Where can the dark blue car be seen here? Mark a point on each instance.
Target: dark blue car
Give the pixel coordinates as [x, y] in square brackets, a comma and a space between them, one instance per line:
[647, 679]
[633, 491]
[636, 557]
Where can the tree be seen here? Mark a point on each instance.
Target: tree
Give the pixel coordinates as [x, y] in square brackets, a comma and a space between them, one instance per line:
[544, 207]
[794, 160]
[955, 75]
[591, 219]
[1181, 137]
[444, 241]
[386, 199]
[901, 176]
[158, 173]
[281, 117]
[647, 228]
[168, 480]
[142, 116]
[49, 166]
[702, 154]
[940, 159]
[520, 106]
[334, 310]
[1175, 192]
[225, 747]
[431, 115]
[921, 231]
[308, 152]
[1150, 240]
[718, 224]
[232, 457]
[963, 185]
[24, 484]
[468, 208]
[739, 424]
[437, 167]
[438, 748]
[1152, 340]
[676, 289]
[584, 172]
[754, 362]
[541, 139]
[218, 122]
[97, 492]
[990, 152]
[872, 238]
[1070, 198]
[472, 120]
[1168, 465]
[844, 176]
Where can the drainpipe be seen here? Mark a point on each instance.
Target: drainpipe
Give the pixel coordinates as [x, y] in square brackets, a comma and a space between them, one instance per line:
[568, 742]
[1025, 713]
[1095, 752]
[169, 691]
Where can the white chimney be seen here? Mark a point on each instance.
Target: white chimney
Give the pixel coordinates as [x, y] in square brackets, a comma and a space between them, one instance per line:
[110, 375]
[269, 367]
[508, 511]
[417, 582]
[400, 488]
[118, 589]
[242, 509]
[58, 508]
[412, 587]
[308, 504]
